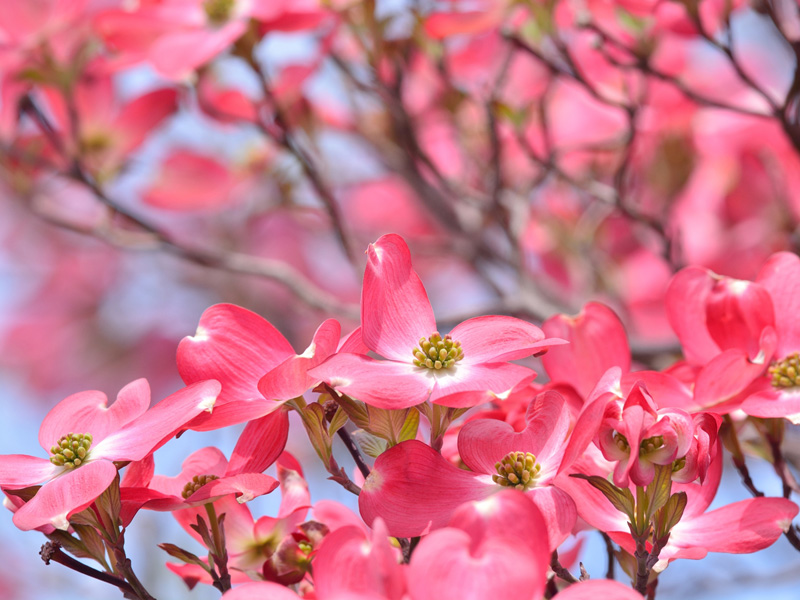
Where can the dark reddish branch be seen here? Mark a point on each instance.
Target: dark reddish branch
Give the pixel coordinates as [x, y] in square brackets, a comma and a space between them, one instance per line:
[52, 552]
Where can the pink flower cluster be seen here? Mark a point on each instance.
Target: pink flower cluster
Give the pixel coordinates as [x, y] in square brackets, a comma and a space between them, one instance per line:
[481, 509]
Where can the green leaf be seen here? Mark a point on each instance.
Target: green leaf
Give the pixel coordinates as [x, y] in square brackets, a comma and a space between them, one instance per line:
[338, 421]
[629, 21]
[658, 490]
[32, 75]
[627, 561]
[109, 505]
[70, 544]
[370, 444]
[394, 426]
[382, 423]
[410, 426]
[92, 541]
[201, 527]
[670, 514]
[87, 517]
[183, 555]
[357, 411]
[317, 429]
[622, 499]
[426, 410]
[25, 493]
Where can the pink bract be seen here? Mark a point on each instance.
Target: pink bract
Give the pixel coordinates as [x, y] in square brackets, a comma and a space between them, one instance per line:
[256, 365]
[125, 431]
[415, 490]
[742, 527]
[396, 318]
[738, 332]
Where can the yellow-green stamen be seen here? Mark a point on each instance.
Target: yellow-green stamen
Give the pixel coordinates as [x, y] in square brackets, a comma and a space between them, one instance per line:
[678, 464]
[218, 11]
[94, 143]
[621, 442]
[786, 373]
[437, 352]
[651, 444]
[517, 470]
[196, 483]
[71, 450]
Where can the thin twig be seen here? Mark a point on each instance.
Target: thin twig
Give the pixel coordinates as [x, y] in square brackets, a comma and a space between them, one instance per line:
[559, 569]
[352, 448]
[310, 169]
[51, 551]
[611, 565]
[646, 67]
[234, 262]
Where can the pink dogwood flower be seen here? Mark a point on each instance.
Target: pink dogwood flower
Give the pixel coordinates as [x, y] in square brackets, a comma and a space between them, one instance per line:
[239, 348]
[415, 490]
[107, 131]
[637, 436]
[250, 543]
[746, 333]
[739, 528]
[206, 475]
[494, 546]
[597, 342]
[85, 437]
[420, 364]
[178, 36]
[497, 546]
[594, 589]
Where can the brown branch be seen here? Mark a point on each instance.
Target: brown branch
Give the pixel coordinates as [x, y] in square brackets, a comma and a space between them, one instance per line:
[643, 65]
[51, 551]
[571, 71]
[157, 239]
[352, 448]
[610, 566]
[560, 571]
[727, 49]
[285, 139]
[739, 462]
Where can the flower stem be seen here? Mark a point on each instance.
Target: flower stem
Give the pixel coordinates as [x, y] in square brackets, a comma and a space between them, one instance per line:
[125, 567]
[220, 553]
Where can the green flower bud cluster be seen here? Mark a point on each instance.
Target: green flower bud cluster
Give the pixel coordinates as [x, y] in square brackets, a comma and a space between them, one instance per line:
[196, 483]
[71, 450]
[218, 11]
[517, 470]
[650, 444]
[437, 352]
[786, 373]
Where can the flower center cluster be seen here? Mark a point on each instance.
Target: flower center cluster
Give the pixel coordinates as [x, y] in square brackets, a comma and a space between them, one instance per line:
[650, 444]
[71, 450]
[621, 442]
[196, 483]
[678, 464]
[517, 470]
[218, 11]
[94, 143]
[786, 373]
[437, 352]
